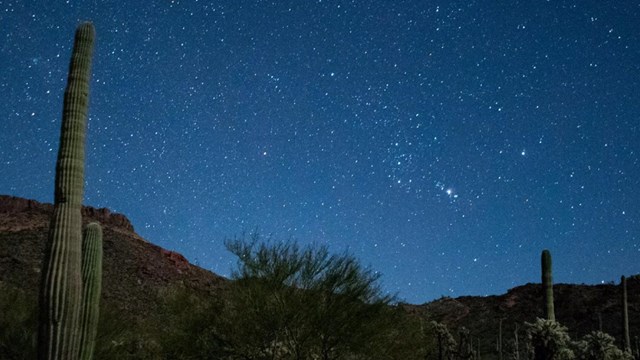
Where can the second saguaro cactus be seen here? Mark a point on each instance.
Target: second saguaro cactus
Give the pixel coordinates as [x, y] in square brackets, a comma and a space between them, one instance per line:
[626, 339]
[547, 285]
[61, 287]
[92, 286]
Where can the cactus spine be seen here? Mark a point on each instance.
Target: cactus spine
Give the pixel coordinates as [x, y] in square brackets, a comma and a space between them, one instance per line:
[92, 285]
[626, 344]
[61, 286]
[547, 284]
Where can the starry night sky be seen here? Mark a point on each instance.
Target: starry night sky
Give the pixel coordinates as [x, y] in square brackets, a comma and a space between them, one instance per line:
[445, 144]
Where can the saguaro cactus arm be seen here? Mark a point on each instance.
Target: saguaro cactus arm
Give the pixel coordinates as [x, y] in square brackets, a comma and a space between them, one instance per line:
[92, 286]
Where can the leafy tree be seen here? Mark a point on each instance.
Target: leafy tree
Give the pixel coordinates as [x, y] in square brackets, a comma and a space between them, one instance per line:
[290, 302]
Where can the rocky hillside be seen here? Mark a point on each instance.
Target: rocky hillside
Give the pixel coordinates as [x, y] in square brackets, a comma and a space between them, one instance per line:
[134, 270]
[582, 308]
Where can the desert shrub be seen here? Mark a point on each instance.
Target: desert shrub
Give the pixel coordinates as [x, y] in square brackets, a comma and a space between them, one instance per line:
[599, 346]
[549, 340]
[118, 336]
[446, 344]
[18, 323]
[192, 325]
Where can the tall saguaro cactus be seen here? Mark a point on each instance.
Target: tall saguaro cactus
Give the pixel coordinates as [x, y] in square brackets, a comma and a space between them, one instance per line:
[626, 340]
[547, 284]
[92, 285]
[61, 288]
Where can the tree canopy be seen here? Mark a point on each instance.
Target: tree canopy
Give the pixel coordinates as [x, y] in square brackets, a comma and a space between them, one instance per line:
[304, 303]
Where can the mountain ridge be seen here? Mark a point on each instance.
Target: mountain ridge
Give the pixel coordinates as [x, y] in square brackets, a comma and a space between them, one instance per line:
[137, 274]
